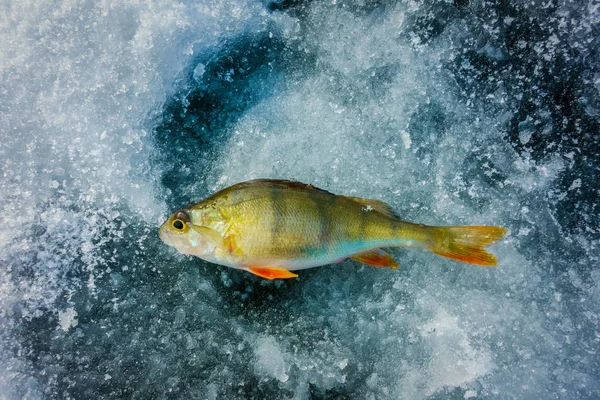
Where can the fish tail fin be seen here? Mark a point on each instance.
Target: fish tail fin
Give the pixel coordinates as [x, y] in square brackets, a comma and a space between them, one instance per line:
[465, 243]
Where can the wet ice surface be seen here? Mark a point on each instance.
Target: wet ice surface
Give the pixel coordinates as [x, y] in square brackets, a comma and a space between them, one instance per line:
[115, 113]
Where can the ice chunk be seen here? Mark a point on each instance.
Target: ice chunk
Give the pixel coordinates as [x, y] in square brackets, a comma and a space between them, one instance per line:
[199, 72]
[270, 359]
[67, 319]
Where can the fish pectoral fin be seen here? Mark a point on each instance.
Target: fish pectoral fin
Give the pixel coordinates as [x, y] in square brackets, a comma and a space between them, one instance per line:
[376, 258]
[272, 272]
[211, 236]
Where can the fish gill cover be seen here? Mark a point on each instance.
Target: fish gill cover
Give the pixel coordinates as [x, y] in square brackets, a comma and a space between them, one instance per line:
[113, 113]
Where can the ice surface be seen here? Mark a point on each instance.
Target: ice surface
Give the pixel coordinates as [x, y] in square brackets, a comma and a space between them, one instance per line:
[113, 113]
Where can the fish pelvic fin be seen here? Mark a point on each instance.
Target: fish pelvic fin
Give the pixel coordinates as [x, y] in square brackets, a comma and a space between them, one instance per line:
[465, 243]
[271, 273]
[376, 258]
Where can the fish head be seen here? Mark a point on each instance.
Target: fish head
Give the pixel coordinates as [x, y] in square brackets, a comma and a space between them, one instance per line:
[181, 230]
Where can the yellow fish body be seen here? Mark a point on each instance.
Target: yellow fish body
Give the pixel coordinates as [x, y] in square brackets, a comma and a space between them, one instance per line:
[272, 227]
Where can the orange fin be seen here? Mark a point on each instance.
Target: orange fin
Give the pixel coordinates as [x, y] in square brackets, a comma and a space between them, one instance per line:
[272, 272]
[466, 243]
[376, 258]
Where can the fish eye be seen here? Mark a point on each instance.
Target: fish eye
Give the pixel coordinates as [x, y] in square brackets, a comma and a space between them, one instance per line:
[178, 224]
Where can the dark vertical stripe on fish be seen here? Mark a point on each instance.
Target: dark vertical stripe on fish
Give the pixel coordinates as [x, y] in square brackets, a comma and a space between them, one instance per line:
[324, 239]
[392, 231]
[278, 217]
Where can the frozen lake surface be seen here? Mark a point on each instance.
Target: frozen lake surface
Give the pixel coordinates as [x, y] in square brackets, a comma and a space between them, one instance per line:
[115, 113]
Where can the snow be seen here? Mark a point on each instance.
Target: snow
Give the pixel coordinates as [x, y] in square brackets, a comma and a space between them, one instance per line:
[114, 113]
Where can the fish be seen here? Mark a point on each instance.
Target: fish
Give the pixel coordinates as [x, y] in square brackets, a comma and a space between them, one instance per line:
[271, 228]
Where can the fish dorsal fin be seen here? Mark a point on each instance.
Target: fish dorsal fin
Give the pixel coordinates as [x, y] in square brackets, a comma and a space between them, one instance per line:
[279, 183]
[375, 205]
[211, 236]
